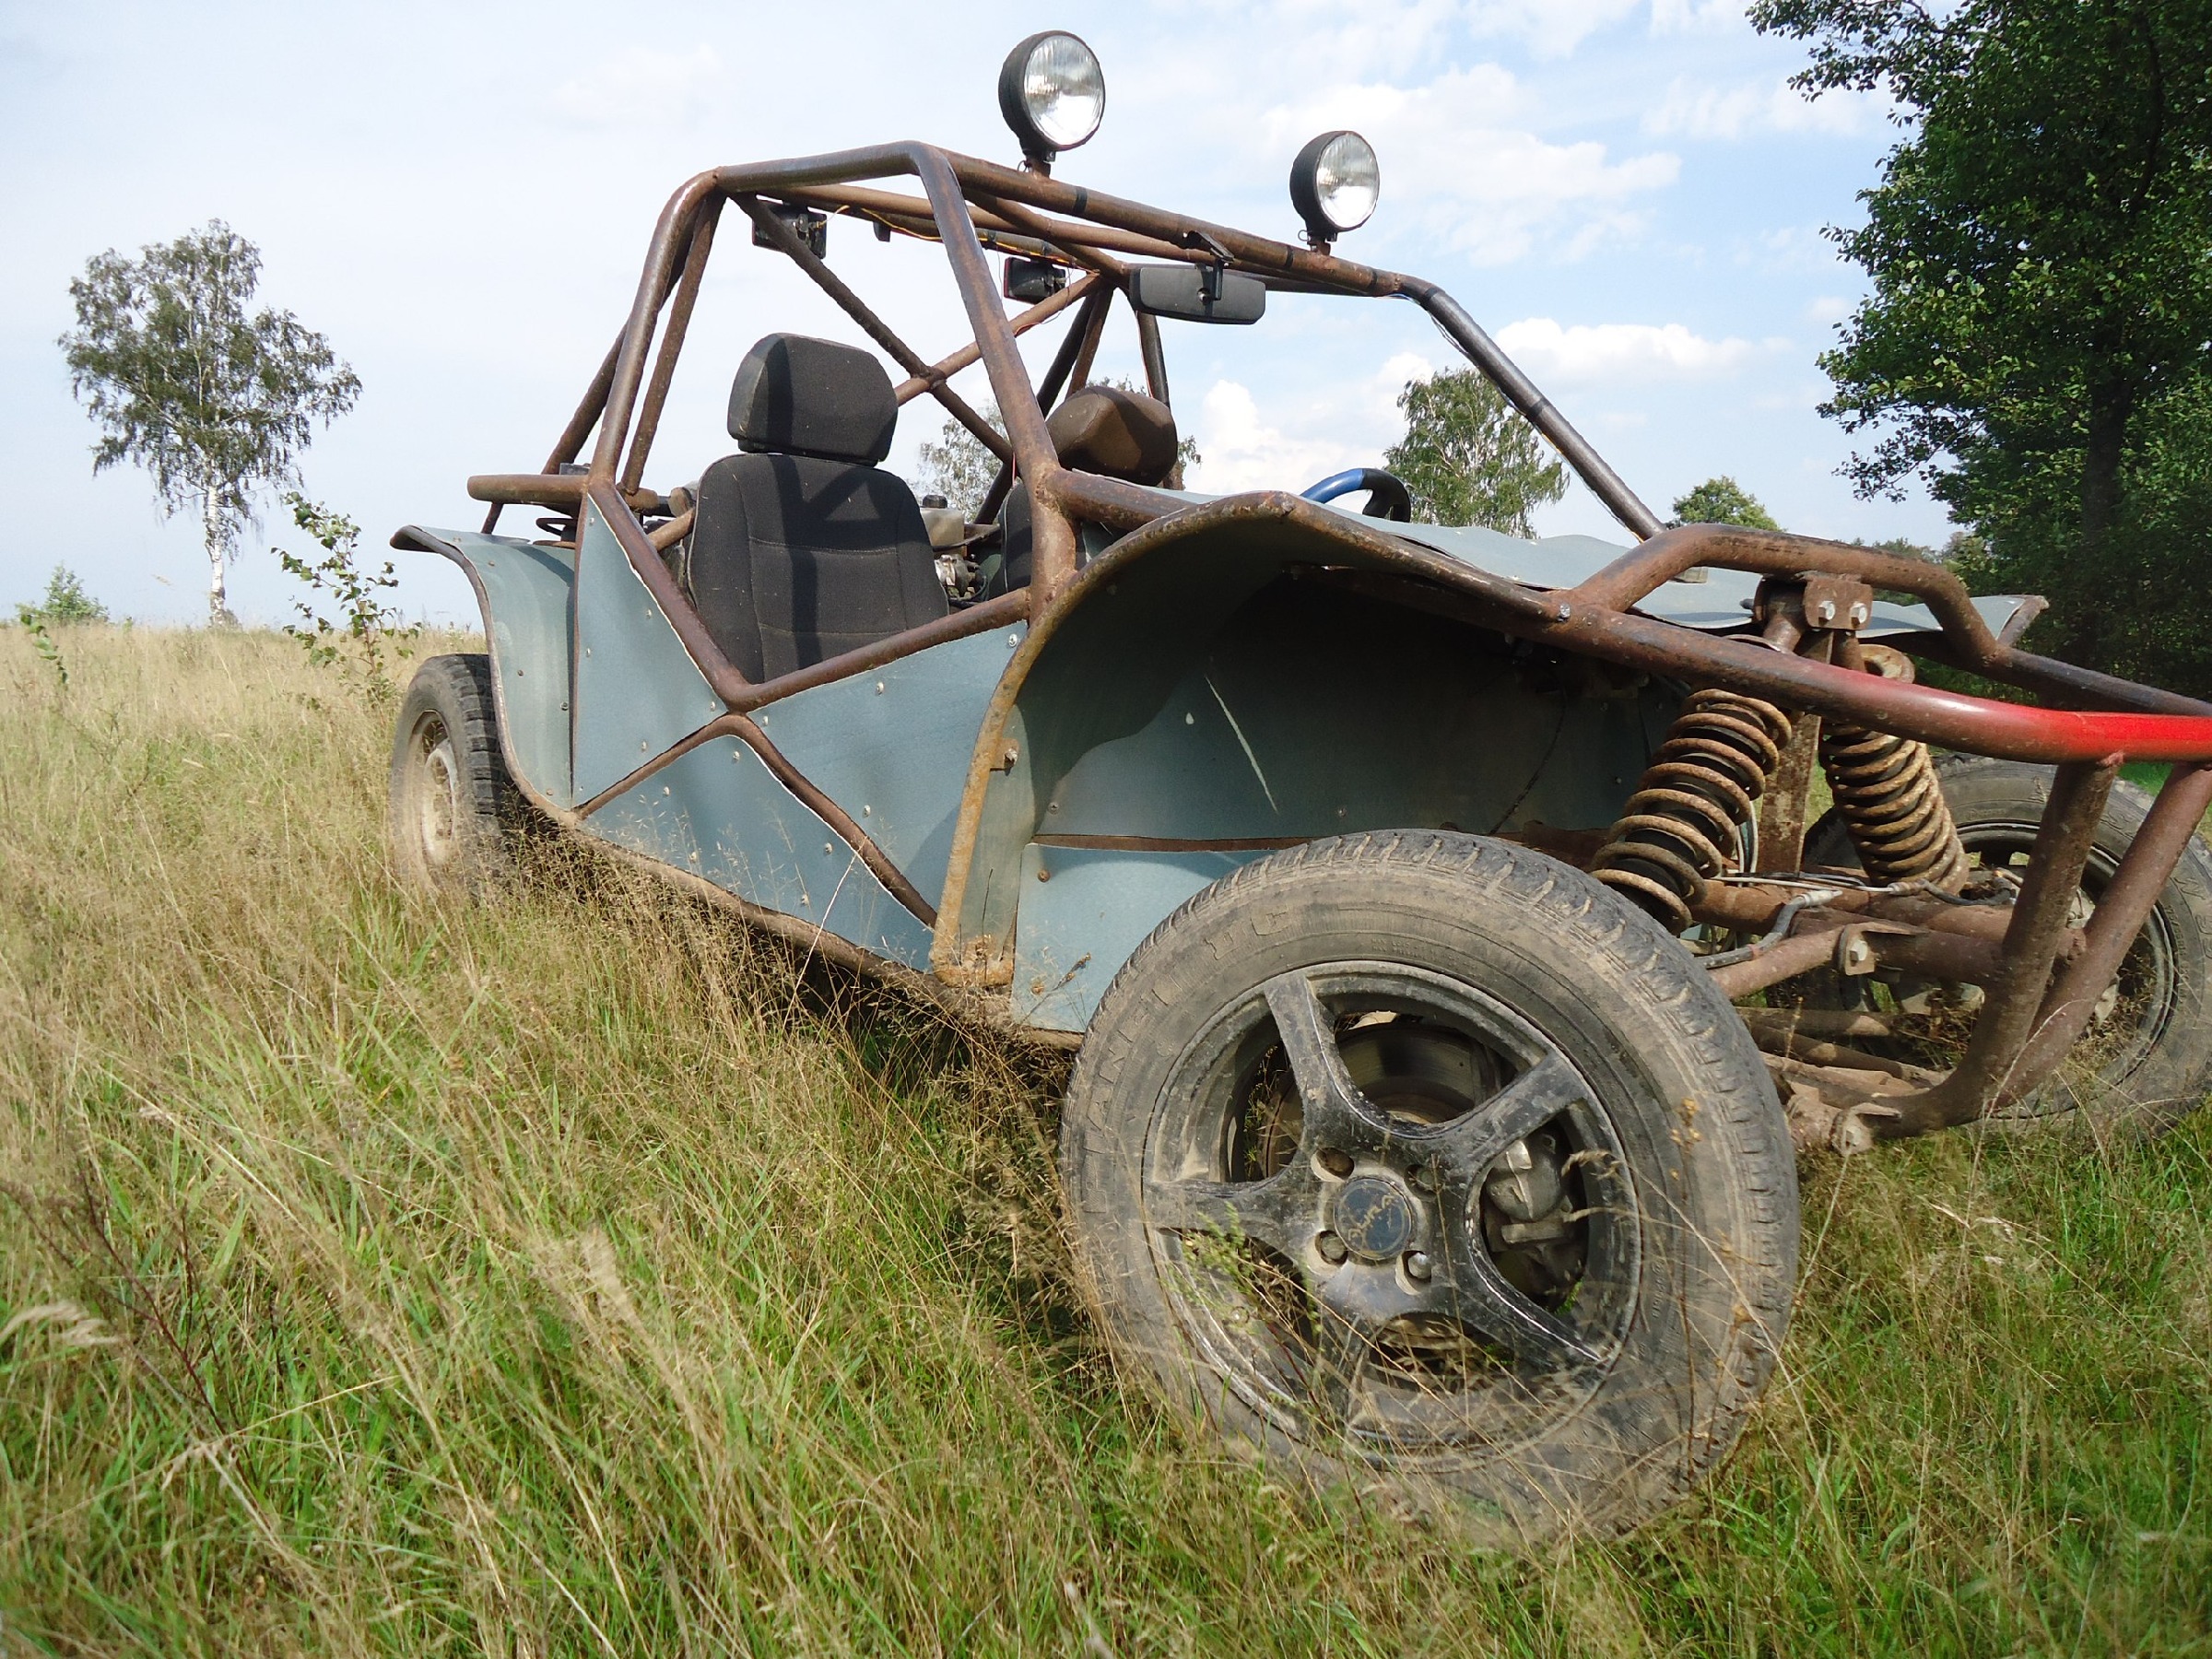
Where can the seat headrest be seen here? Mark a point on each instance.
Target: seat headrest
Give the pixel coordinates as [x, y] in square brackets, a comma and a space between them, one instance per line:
[802, 396]
[1122, 434]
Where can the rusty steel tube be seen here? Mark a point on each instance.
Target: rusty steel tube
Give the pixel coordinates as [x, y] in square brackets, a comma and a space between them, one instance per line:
[1952, 720]
[2008, 1014]
[945, 367]
[680, 306]
[2123, 909]
[1785, 958]
[670, 238]
[1053, 532]
[1639, 571]
[788, 243]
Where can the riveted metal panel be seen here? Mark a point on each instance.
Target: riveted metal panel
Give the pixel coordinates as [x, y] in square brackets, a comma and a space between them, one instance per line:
[1309, 713]
[1085, 910]
[528, 622]
[719, 812]
[638, 691]
[891, 746]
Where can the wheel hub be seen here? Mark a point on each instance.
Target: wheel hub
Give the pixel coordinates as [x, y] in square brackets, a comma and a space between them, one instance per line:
[1375, 1216]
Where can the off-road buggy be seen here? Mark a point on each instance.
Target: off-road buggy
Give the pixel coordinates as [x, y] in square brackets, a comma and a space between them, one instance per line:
[1455, 971]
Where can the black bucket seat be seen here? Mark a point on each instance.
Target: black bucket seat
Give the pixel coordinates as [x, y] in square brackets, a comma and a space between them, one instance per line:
[803, 548]
[1106, 429]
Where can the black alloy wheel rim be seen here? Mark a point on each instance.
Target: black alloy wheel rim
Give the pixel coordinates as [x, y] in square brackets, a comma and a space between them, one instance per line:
[1330, 1196]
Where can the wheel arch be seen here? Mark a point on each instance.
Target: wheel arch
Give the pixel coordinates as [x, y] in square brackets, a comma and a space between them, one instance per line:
[526, 596]
[1250, 673]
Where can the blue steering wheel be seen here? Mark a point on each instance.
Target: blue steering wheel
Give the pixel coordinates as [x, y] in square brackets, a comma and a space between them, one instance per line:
[1387, 496]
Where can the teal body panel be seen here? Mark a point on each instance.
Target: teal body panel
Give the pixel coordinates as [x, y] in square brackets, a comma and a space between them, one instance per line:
[1209, 699]
[1215, 694]
[637, 692]
[719, 813]
[1307, 715]
[891, 746]
[1084, 913]
[526, 593]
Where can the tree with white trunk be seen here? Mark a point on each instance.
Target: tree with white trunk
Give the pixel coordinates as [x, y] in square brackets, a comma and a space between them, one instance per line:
[215, 402]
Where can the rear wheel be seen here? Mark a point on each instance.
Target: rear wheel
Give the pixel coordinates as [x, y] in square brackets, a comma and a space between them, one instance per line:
[455, 813]
[2146, 1061]
[1424, 1162]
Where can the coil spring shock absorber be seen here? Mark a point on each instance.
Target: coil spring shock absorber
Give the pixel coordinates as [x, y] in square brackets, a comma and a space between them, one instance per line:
[1680, 827]
[1887, 792]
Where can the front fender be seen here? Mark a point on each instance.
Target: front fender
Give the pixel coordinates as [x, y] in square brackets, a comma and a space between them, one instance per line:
[527, 592]
[1213, 688]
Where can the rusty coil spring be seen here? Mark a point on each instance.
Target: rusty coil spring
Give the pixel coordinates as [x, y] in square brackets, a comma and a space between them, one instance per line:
[1682, 826]
[1891, 803]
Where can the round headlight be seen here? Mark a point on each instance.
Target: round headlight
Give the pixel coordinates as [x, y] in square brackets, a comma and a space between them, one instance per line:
[1334, 184]
[1052, 92]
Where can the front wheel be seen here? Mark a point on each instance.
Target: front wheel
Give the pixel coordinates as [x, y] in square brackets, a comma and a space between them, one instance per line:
[456, 816]
[1422, 1162]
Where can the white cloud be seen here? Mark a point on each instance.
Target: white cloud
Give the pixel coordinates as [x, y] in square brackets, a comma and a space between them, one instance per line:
[1686, 17]
[1827, 308]
[1551, 28]
[640, 87]
[1242, 452]
[1455, 167]
[1613, 352]
[1694, 110]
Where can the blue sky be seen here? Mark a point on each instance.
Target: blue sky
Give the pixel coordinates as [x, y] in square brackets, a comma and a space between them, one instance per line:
[459, 196]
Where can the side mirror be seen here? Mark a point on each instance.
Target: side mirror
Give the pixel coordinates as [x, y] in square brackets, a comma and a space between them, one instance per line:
[1196, 293]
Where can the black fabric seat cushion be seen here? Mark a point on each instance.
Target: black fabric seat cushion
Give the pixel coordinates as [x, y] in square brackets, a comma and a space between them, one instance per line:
[1017, 546]
[795, 558]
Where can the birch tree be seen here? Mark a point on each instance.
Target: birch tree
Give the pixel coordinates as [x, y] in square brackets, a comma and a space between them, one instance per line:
[214, 401]
[1469, 458]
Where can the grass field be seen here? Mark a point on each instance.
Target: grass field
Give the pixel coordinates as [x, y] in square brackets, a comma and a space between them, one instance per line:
[553, 1277]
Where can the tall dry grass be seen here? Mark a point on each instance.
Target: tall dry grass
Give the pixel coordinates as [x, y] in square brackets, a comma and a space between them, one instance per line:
[562, 1276]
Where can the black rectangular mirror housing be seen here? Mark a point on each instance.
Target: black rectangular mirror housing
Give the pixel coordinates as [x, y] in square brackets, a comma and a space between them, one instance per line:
[1030, 280]
[1196, 293]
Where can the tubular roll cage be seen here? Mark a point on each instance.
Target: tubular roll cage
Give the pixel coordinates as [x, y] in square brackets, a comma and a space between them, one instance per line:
[969, 206]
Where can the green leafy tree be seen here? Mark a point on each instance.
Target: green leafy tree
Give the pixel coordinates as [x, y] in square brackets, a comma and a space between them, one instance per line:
[958, 466]
[1469, 458]
[214, 401]
[2037, 339]
[66, 603]
[1723, 501]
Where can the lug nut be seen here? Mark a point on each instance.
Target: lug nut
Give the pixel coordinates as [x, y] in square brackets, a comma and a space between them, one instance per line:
[1417, 1264]
[1336, 1161]
[1331, 1247]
